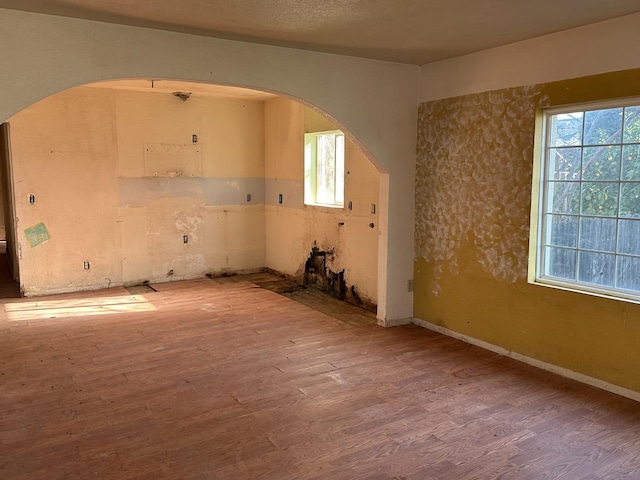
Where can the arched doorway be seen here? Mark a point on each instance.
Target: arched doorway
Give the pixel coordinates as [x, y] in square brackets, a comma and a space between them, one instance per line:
[375, 101]
[147, 181]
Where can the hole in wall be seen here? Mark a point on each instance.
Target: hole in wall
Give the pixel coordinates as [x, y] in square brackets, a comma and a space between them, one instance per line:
[318, 275]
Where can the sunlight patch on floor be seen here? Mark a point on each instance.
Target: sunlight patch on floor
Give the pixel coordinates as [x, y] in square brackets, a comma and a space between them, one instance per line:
[50, 309]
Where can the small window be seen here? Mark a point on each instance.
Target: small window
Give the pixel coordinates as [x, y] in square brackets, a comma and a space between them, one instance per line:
[324, 169]
[587, 236]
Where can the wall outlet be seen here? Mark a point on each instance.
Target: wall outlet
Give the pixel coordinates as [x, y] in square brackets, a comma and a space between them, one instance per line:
[410, 285]
[87, 265]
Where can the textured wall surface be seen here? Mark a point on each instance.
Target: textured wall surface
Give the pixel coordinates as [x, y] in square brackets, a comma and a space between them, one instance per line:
[473, 201]
[473, 181]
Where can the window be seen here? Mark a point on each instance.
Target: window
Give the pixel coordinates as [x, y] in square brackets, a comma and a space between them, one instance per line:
[324, 169]
[588, 233]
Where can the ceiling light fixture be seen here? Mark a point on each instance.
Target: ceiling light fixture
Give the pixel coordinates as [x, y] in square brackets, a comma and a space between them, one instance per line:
[182, 95]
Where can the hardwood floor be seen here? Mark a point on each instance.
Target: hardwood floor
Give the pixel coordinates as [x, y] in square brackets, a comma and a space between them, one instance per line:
[221, 379]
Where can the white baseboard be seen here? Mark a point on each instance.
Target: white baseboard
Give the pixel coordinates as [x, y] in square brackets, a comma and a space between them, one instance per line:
[565, 372]
[395, 323]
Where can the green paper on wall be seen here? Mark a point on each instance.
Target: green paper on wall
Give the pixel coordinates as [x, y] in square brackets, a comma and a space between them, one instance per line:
[37, 234]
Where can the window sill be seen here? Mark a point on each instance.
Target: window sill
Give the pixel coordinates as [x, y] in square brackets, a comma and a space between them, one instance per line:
[594, 291]
[323, 205]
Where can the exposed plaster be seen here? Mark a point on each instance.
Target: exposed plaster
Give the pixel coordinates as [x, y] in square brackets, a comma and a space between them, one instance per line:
[473, 181]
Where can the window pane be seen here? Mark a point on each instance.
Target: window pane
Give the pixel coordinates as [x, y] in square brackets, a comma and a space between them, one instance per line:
[628, 276]
[603, 126]
[599, 198]
[598, 234]
[561, 263]
[566, 129]
[630, 200]
[591, 202]
[563, 230]
[629, 236]
[340, 169]
[596, 268]
[309, 143]
[564, 163]
[631, 162]
[601, 163]
[326, 169]
[631, 125]
[564, 196]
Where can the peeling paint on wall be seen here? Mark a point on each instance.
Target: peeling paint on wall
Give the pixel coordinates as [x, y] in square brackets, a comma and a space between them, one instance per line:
[473, 182]
[189, 223]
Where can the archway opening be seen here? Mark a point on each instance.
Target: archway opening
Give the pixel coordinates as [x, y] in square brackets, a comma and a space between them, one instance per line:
[146, 181]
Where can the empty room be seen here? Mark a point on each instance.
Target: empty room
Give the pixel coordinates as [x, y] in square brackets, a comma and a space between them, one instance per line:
[295, 240]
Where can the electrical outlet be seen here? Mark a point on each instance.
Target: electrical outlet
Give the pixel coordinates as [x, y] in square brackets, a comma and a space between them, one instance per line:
[410, 285]
[87, 265]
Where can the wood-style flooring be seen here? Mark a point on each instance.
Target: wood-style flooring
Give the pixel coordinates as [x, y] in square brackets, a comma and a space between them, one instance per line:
[222, 379]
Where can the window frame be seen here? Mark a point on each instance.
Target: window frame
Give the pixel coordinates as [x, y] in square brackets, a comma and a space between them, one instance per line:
[310, 168]
[540, 192]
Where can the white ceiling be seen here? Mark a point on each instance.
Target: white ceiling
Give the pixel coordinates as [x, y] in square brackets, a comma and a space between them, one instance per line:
[406, 31]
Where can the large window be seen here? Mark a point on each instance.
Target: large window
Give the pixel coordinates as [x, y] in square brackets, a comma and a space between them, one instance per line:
[588, 231]
[324, 169]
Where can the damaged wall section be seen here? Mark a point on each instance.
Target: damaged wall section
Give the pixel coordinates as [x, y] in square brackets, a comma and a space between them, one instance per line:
[295, 230]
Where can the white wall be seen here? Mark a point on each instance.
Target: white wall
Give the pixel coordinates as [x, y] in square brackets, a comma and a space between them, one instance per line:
[294, 228]
[597, 48]
[375, 101]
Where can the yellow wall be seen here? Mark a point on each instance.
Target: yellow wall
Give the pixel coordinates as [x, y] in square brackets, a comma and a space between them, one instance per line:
[473, 199]
[293, 228]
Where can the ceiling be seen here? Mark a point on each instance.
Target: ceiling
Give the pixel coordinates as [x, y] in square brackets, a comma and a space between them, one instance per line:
[405, 31]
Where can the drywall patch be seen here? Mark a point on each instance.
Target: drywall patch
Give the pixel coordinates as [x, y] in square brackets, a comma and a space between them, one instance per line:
[36, 234]
[172, 160]
[473, 181]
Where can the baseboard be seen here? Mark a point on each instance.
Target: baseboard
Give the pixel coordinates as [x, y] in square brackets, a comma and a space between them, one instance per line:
[395, 323]
[564, 372]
